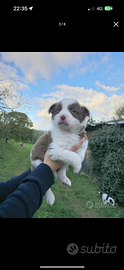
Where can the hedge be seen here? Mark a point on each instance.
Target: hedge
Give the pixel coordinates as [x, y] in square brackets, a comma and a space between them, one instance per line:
[107, 160]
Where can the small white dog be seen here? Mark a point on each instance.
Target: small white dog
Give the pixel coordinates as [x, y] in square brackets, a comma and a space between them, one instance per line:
[107, 199]
[69, 120]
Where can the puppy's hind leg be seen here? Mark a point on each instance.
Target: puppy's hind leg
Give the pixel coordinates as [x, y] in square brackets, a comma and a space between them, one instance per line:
[35, 163]
[49, 197]
[62, 175]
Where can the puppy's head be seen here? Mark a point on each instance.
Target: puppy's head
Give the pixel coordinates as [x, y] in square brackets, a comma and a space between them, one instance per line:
[68, 114]
[111, 201]
[107, 199]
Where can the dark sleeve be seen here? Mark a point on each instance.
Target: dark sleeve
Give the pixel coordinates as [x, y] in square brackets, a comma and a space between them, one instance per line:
[11, 185]
[27, 198]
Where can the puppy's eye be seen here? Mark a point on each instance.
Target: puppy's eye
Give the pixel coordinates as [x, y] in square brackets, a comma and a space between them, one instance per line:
[73, 110]
[58, 110]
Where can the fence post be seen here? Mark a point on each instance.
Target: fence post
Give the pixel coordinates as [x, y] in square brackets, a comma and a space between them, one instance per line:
[86, 166]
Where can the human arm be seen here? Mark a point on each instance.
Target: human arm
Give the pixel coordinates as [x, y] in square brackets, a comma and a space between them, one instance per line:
[7, 187]
[27, 198]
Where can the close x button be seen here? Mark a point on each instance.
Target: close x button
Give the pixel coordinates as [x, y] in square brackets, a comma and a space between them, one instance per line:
[116, 24]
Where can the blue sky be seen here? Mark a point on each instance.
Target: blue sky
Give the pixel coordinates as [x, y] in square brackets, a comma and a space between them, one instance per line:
[95, 79]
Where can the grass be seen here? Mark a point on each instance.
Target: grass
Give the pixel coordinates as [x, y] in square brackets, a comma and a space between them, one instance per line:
[81, 200]
[13, 159]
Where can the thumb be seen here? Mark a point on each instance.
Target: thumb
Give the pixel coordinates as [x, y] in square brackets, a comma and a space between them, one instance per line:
[77, 146]
[81, 141]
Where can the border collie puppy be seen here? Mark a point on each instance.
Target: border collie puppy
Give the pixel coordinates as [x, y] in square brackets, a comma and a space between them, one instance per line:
[69, 120]
[107, 199]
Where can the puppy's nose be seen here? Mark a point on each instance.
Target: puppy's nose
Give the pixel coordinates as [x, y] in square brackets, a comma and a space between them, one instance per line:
[63, 117]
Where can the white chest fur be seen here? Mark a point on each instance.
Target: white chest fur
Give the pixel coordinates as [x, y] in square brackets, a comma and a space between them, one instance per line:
[60, 148]
[63, 139]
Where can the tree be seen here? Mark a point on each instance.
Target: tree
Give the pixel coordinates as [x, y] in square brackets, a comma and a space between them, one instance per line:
[3, 95]
[10, 94]
[37, 134]
[91, 120]
[120, 112]
[15, 125]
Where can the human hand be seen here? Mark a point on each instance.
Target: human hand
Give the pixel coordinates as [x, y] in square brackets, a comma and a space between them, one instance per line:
[54, 164]
[77, 146]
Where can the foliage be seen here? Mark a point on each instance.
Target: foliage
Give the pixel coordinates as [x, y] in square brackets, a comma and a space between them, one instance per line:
[15, 125]
[37, 134]
[120, 112]
[11, 97]
[91, 120]
[107, 157]
[3, 95]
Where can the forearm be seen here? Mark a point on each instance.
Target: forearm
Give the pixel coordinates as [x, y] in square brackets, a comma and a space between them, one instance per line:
[6, 188]
[27, 198]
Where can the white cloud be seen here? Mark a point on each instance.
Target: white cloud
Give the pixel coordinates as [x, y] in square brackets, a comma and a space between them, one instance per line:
[44, 65]
[122, 85]
[93, 64]
[71, 74]
[42, 125]
[116, 101]
[104, 59]
[45, 103]
[107, 88]
[7, 72]
[65, 59]
[35, 65]
[83, 70]
[13, 86]
[99, 104]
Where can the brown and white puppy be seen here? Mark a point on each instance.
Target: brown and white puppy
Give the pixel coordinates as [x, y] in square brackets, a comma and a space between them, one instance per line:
[69, 120]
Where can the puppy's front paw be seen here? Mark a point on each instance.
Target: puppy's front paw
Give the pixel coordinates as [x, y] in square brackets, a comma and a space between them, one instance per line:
[51, 153]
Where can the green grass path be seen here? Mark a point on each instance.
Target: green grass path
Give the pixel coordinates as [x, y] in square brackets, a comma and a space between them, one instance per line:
[13, 159]
[81, 200]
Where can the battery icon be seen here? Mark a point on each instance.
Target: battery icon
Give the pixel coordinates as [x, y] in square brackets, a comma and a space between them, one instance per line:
[108, 8]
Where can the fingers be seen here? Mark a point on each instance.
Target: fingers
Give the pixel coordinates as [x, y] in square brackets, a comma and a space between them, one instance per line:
[53, 164]
[56, 164]
[77, 146]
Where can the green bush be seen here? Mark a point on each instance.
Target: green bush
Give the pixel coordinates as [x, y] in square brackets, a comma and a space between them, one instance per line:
[107, 160]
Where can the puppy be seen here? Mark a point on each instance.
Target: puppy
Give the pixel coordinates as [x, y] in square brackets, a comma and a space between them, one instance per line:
[107, 199]
[69, 120]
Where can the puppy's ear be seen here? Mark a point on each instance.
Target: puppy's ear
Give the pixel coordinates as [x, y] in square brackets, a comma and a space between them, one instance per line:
[86, 111]
[51, 109]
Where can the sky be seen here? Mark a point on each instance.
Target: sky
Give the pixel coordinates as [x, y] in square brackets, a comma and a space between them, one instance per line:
[40, 79]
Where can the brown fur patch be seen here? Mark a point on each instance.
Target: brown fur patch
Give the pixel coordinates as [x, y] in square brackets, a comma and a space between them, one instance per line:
[40, 147]
[78, 111]
[55, 109]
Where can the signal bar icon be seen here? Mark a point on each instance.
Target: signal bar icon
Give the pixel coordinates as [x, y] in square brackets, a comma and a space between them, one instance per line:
[92, 8]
